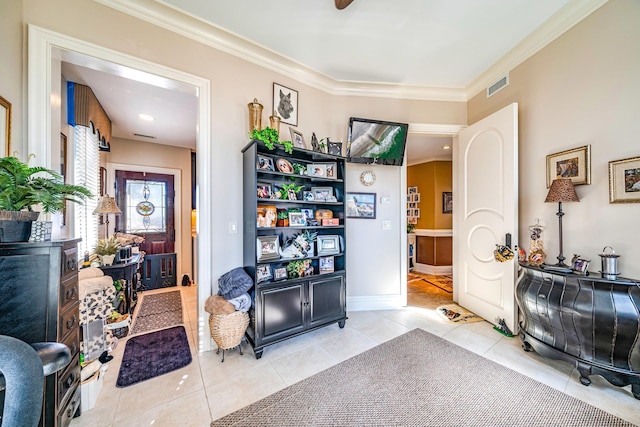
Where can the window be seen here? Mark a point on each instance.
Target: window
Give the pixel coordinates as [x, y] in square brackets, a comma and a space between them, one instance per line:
[86, 174]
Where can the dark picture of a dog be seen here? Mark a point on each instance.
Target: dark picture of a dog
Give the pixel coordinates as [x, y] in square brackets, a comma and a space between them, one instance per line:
[285, 104]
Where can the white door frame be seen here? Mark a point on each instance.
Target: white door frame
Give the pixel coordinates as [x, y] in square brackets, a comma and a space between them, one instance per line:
[44, 50]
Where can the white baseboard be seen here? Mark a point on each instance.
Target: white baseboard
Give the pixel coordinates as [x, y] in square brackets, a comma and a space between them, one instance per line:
[437, 270]
[386, 302]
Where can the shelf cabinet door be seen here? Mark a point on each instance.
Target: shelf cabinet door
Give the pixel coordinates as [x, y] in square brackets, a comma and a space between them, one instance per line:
[282, 311]
[326, 299]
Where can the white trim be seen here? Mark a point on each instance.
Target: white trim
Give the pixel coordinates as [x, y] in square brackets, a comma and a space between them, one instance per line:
[165, 16]
[443, 232]
[434, 129]
[41, 46]
[365, 303]
[436, 270]
[177, 187]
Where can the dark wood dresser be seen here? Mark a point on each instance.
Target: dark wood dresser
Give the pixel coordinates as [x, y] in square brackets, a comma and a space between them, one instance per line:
[591, 322]
[39, 288]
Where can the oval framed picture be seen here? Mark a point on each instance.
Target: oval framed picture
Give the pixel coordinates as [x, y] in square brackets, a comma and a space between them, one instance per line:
[284, 165]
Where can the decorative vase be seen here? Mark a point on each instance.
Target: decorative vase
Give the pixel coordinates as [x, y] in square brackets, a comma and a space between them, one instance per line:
[274, 123]
[255, 115]
[107, 259]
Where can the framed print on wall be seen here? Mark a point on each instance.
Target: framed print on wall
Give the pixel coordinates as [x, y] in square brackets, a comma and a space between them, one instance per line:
[624, 180]
[361, 205]
[447, 202]
[574, 164]
[285, 104]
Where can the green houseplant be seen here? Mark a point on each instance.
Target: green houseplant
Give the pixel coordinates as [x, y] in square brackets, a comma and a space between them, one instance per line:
[270, 137]
[22, 187]
[107, 249]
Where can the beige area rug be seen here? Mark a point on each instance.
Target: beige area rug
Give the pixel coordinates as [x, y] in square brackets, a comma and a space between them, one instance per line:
[419, 379]
[158, 311]
[456, 314]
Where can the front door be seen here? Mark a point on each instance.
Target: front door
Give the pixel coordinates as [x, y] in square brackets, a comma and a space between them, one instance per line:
[485, 210]
[147, 204]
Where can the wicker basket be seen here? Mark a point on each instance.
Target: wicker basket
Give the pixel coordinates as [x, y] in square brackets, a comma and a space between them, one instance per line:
[227, 330]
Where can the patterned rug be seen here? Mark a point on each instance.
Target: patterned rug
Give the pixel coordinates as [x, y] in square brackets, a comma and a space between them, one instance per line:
[419, 379]
[443, 282]
[156, 353]
[455, 313]
[158, 311]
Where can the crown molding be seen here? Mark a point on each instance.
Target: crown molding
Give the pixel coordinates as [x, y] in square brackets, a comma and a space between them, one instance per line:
[434, 129]
[158, 13]
[567, 17]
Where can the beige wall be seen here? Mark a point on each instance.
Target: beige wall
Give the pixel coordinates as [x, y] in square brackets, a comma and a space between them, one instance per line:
[583, 88]
[234, 83]
[139, 154]
[431, 178]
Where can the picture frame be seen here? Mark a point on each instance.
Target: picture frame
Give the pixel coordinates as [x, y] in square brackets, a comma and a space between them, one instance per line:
[320, 194]
[412, 190]
[264, 190]
[580, 265]
[574, 164]
[263, 273]
[331, 170]
[334, 148]
[447, 202]
[268, 248]
[5, 127]
[265, 163]
[326, 264]
[297, 219]
[308, 214]
[328, 245]
[624, 180]
[361, 205]
[284, 165]
[285, 104]
[280, 273]
[298, 139]
[416, 197]
[307, 196]
[266, 216]
[318, 170]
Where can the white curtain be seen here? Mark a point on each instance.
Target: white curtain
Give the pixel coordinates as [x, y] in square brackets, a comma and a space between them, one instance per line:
[86, 174]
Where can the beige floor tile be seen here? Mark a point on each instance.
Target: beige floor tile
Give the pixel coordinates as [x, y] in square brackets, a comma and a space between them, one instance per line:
[471, 340]
[347, 344]
[190, 410]
[303, 364]
[383, 330]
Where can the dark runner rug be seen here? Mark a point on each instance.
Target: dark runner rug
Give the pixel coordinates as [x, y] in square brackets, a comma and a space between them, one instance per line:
[158, 311]
[419, 379]
[156, 353]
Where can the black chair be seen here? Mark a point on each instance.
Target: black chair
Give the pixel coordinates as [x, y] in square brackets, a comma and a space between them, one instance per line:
[22, 370]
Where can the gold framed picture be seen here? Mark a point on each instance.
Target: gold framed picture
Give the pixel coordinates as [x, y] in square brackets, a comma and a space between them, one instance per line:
[624, 180]
[574, 164]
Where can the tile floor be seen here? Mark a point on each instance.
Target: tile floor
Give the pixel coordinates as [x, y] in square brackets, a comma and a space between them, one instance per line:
[208, 389]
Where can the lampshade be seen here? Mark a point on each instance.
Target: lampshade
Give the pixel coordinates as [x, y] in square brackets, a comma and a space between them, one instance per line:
[562, 190]
[107, 205]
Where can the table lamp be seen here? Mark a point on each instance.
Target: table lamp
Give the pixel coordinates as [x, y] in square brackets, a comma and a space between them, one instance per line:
[107, 205]
[561, 190]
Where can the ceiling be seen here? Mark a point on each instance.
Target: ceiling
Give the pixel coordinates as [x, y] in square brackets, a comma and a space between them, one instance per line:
[423, 43]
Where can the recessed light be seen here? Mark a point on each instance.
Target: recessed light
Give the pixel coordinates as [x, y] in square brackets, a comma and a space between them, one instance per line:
[146, 117]
[446, 147]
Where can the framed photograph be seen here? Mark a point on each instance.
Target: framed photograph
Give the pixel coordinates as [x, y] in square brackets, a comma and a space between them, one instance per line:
[263, 273]
[320, 194]
[328, 245]
[298, 139]
[264, 190]
[308, 214]
[447, 202]
[416, 213]
[361, 205]
[280, 273]
[317, 170]
[574, 164]
[624, 180]
[416, 197]
[326, 264]
[264, 163]
[308, 196]
[284, 165]
[580, 265]
[266, 216]
[334, 148]
[297, 219]
[331, 170]
[267, 248]
[285, 104]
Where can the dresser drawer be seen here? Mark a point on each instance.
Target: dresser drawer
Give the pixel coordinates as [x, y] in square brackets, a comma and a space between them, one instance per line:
[65, 415]
[69, 261]
[72, 341]
[69, 321]
[68, 381]
[68, 292]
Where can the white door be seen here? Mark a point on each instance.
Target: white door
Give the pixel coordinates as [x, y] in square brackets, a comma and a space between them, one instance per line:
[485, 210]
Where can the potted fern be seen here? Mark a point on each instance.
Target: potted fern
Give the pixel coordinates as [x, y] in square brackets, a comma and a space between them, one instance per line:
[22, 187]
[106, 249]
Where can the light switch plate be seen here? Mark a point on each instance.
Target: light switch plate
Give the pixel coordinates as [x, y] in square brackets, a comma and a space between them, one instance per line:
[386, 224]
[233, 227]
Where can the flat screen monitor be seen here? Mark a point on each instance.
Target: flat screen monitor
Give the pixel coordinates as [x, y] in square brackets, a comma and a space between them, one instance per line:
[376, 142]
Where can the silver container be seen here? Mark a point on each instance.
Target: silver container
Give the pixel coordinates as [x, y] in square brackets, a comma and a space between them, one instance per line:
[609, 264]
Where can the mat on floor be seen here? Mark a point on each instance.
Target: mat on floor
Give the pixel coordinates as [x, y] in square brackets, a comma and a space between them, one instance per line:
[455, 313]
[157, 311]
[443, 282]
[419, 379]
[149, 355]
